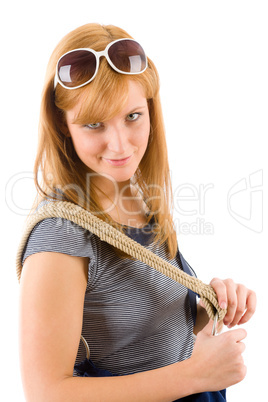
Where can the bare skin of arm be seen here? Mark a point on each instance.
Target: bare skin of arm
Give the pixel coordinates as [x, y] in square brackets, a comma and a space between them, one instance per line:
[51, 311]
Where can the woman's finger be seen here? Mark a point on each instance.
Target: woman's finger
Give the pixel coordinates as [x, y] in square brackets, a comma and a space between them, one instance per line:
[220, 289]
[232, 301]
[250, 307]
[241, 303]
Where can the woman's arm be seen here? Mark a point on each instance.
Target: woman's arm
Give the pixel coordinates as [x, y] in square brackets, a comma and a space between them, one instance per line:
[51, 312]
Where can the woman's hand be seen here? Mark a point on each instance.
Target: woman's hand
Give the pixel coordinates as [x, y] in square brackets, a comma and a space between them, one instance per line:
[217, 361]
[239, 301]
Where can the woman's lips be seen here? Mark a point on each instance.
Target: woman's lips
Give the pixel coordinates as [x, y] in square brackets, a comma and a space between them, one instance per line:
[118, 162]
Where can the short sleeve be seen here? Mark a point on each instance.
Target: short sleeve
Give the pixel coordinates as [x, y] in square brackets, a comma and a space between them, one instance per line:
[60, 236]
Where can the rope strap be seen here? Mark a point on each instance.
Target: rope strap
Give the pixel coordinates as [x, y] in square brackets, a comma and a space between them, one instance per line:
[109, 234]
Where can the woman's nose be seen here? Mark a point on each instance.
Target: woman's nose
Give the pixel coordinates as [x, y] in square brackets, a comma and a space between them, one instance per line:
[117, 140]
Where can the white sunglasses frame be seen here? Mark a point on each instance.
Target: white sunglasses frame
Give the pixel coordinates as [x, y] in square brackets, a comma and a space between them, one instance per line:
[98, 55]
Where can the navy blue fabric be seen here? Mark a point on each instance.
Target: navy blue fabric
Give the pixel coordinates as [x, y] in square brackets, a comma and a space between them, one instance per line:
[88, 369]
[219, 396]
[192, 295]
[142, 236]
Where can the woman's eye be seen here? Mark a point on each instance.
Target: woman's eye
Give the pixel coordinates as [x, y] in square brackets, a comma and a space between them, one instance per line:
[93, 126]
[133, 116]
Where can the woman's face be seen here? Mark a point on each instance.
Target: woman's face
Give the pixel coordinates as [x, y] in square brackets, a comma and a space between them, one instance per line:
[114, 148]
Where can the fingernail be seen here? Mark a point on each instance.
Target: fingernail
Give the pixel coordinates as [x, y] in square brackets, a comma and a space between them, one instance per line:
[223, 305]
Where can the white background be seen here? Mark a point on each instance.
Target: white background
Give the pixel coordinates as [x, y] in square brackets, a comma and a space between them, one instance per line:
[213, 64]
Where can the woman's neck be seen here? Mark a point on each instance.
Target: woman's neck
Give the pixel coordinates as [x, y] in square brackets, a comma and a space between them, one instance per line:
[123, 203]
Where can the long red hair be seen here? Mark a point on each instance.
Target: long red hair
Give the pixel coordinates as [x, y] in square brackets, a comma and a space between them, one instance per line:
[102, 99]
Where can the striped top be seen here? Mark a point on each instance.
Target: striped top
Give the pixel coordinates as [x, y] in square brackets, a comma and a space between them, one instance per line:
[135, 318]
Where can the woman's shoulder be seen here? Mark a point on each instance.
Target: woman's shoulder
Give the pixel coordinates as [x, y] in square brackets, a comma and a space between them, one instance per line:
[58, 235]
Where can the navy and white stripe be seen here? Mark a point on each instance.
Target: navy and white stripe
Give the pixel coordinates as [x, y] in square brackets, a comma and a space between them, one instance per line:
[135, 319]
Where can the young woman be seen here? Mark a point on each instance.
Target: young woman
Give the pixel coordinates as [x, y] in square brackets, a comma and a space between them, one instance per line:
[102, 146]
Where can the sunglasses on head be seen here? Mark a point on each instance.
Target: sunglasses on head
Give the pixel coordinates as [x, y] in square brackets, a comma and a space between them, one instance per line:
[80, 66]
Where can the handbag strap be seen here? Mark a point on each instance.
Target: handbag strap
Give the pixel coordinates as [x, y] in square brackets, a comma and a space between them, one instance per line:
[85, 219]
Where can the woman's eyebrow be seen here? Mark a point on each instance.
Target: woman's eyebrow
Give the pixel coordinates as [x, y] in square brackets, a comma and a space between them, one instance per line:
[136, 108]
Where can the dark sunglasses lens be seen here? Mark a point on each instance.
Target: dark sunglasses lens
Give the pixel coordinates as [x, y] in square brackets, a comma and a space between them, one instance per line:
[76, 68]
[128, 56]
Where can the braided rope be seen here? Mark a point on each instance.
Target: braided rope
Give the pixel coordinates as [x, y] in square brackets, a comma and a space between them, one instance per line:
[114, 237]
